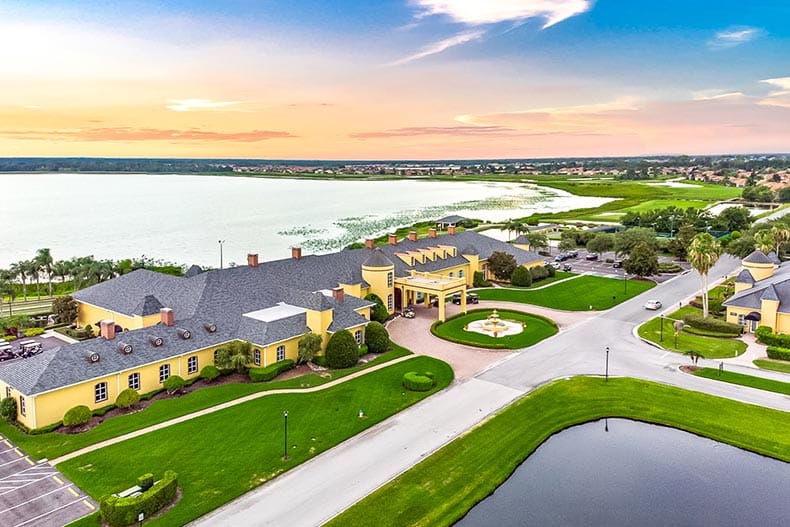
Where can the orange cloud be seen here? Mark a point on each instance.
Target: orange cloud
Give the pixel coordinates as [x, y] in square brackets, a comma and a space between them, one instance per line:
[144, 134]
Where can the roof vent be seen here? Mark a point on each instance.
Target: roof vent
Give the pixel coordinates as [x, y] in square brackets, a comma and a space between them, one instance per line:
[93, 357]
[124, 348]
[156, 341]
[211, 328]
[184, 333]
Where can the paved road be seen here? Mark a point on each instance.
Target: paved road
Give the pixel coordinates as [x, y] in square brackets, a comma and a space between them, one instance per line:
[316, 491]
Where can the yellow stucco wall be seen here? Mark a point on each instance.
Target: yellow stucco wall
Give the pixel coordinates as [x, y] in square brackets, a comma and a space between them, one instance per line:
[90, 314]
[760, 271]
[269, 352]
[741, 286]
[376, 277]
[782, 323]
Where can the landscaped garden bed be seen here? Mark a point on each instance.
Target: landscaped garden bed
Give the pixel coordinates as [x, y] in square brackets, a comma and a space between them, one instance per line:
[456, 329]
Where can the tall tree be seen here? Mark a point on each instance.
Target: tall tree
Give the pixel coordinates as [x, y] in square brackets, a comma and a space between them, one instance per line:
[703, 252]
[45, 261]
[61, 269]
[537, 240]
[642, 260]
[781, 234]
[21, 269]
[625, 241]
[764, 240]
[602, 242]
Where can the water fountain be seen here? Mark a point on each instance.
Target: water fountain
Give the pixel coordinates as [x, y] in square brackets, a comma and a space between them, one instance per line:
[494, 326]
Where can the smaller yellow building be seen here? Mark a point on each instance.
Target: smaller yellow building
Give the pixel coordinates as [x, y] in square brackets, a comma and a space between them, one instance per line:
[762, 294]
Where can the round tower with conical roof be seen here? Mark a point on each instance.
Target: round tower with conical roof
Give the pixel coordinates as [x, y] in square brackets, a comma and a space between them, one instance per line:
[759, 265]
[379, 273]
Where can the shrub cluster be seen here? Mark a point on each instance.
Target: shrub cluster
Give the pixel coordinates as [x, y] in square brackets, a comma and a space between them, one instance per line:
[271, 371]
[119, 512]
[376, 337]
[768, 337]
[775, 352]
[8, 409]
[79, 415]
[174, 384]
[320, 360]
[209, 373]
[711, 324]
[34, 332]
[540, 273]
[479, 280]
[418, 382]
[127, 398]
[668, 267]
[342, 350]
[521, 277]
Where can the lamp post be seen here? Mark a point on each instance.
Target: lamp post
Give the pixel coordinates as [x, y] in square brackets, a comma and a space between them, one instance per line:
[607, 363]
[221, 243]
[625, 282]
[285, 435]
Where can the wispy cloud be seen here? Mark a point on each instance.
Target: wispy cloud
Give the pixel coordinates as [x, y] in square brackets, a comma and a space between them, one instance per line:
[780, 97]
[438, 47]
[199, 105]
[715, 93]
[476, 12]
[413, 131]
[733, 36]
[144, 134]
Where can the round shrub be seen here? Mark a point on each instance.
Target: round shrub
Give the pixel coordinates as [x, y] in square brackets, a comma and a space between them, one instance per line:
[377, 338]
[127, 398]
[342, 350]
[379, 311]
[173, 384]
[8, 409]
[550, 271]
[209, 373]
[79, 415]
[418, 382]
[538, 273]
[521, 277]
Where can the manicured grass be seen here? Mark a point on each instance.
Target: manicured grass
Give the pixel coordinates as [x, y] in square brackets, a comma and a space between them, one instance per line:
[708, 347]
[574, 295]
[769, 385]
[537, 328]
[442, 488]
[53, 444]
[664, 203]
[222, 455]
[775, 365]
[558, 275]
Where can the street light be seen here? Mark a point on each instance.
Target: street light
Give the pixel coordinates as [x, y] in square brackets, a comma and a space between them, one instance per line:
[607, 363]
[285, 436]
[625, 282]
[221, 243]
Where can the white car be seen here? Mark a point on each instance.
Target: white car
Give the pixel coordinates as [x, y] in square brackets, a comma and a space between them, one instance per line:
[653, 305]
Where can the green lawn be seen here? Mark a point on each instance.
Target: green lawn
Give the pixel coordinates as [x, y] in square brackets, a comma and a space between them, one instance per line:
[775, 365]
[222, 455]
[440, 490]
[53, 444]
[709, 347]
[574, 295]
[537, 328]
[769, 385]
[664, 203]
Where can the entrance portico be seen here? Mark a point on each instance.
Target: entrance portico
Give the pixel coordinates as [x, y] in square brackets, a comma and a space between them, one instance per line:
[430, 285]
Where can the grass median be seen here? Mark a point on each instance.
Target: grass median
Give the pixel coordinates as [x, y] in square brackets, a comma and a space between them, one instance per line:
[441, 489]
[708, 346]
[54, 444]
[775, 365]
[536, 328]
[578, 294]
[222, 455]
[741, 379]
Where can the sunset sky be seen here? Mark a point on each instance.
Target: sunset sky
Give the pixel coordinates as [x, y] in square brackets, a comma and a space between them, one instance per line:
[401, 79]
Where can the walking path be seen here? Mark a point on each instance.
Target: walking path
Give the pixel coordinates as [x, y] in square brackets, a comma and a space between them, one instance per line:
[228, 404]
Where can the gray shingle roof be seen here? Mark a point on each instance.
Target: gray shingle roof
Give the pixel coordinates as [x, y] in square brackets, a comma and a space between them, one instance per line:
[757, 256]
[377, 259]
[769, 293]
[774, 258]
[521, 240]
[744, 277]
[453, 218]
[776, 287]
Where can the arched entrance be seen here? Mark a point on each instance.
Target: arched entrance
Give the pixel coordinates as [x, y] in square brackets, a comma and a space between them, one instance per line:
[398, 299]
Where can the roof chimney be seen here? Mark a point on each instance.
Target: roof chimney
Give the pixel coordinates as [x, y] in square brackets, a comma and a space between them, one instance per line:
[431, 233]
[252, 260]
[368, 243]
[339, 294]
[296, 253]
[168, 317]
[451, 229]
[393, 240]
[107, 329]
[413, 236]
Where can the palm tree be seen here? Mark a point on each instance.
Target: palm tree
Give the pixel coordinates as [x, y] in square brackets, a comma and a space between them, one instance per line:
[34, 270]
[234, 356]
[61, 269]
[764, 240]
[703, 252]
[21, 269]
[781, 234]
[695, 356]
[45, 261]
[6, 288]
[509, 226]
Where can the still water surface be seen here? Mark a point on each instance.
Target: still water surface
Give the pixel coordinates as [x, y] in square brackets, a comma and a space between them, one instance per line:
[638, 475]
[181, 218]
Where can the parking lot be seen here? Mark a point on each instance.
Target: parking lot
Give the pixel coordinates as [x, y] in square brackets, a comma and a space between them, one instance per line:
[599, 267]
[42, 343]
[35, 494]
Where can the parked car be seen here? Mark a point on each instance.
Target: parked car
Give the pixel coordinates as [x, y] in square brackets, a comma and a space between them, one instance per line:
[653, 305]
[566, 267]
[617, 264]
[573, 253]
[471, 298]
[591, 256]
[408, 312]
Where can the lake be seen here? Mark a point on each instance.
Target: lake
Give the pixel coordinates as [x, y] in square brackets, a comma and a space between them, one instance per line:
[180, 218]
[638, 474]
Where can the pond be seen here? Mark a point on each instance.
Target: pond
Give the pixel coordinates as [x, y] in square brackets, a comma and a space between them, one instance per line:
[619, 472]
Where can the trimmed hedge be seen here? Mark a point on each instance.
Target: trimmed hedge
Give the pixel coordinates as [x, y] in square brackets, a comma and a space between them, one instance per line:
[209, 373]
[377, 337]
[127, 398]
[342, 350]
[521, 277]
[174, 384]
[8, 409]
[711, 324]
[146, 481]
[120, 512]
[775, 352]
[769, 338]
[34, 332]
[79, 415]
[271, 371]
[539, 273]
[418, 382]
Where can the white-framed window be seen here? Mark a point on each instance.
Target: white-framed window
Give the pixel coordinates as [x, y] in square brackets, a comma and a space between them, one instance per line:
[192, 364]
[134, 381]
[390, 278]
[164, 373]
[280, 352]
[450, 274]
[460, 273]
[390, 303]
[358, 337]
[22, 405]
[256, 357]
[100, 392]
[741, 320]
[8, 391]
